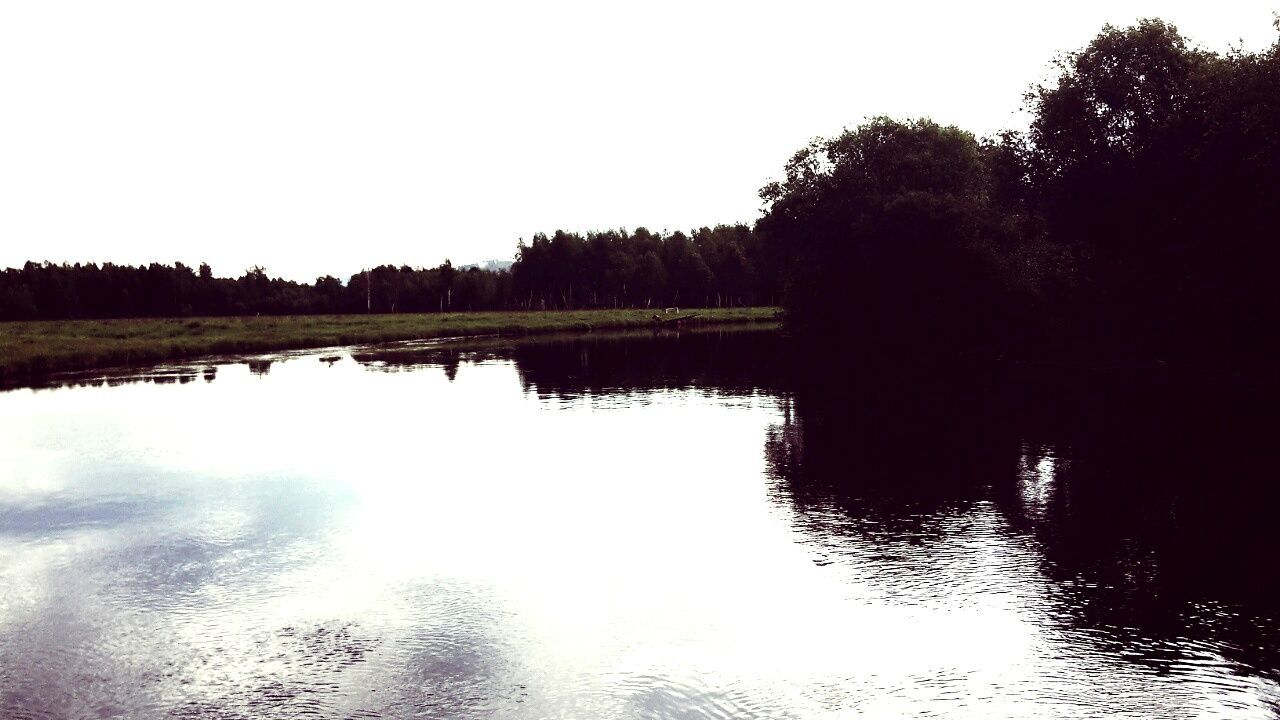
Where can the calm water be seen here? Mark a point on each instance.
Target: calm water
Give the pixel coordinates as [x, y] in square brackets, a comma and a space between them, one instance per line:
[619, 527]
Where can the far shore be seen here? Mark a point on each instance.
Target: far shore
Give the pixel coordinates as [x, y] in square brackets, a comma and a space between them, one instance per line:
[32, 349]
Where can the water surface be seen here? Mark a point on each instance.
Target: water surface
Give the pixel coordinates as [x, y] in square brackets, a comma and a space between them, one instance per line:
[681, 526]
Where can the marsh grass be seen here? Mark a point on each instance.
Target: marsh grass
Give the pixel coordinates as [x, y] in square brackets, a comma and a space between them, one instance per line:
[36, 348]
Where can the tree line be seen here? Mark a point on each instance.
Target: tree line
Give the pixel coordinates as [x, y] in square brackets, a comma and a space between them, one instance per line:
[721, 266]
[1136, 216]
[1136, 213]
[60, 291]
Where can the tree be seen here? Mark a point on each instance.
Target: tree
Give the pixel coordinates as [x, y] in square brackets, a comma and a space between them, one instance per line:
[1155, 164]
[887, 230]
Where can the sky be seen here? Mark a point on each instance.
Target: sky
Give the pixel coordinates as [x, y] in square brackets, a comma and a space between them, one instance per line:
[314, 137]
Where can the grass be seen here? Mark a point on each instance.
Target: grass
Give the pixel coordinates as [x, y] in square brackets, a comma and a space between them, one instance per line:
[36, 348]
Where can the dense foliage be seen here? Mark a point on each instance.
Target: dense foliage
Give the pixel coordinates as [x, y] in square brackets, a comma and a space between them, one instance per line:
[1136, 217]
[1157, 166]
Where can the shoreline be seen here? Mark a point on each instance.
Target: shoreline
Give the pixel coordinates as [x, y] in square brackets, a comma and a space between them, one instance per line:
[34, 349]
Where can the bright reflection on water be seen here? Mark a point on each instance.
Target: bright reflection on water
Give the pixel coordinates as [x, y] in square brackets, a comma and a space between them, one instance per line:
[619, 527]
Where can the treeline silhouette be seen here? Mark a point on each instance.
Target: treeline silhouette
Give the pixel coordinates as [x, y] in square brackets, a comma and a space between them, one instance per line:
[53, 292]
[721, 266]
[714, 267]
[1136, 218]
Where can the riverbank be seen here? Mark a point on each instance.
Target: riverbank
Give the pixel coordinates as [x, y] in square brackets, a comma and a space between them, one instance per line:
[36, 348]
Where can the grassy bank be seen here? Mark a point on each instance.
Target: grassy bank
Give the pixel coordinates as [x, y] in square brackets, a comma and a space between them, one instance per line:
[36, 348]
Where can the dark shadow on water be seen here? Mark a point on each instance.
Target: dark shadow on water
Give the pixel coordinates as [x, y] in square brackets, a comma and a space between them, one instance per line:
[730, 361]
[153, 376]
[260, 367]
[727, 359]
[1150, 500]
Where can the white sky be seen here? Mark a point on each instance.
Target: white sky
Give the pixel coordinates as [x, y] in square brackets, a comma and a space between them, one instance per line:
[318, 137]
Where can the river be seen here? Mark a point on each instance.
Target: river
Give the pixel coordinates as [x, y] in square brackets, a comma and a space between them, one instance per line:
[698, 525]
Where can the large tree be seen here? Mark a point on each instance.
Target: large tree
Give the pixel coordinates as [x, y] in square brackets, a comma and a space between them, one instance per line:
[1156, 163]
[887, 230]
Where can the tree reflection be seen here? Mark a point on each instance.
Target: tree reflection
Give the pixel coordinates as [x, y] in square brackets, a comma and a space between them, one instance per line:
[1149, 499]
[723, 359]
[733, 360]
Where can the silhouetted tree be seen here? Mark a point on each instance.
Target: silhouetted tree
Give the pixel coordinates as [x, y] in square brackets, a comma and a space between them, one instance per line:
[889, 233]
[1157, 165]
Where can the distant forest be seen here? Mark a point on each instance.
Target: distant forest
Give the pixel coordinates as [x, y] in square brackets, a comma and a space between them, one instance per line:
[712, 267]
[1139, 213]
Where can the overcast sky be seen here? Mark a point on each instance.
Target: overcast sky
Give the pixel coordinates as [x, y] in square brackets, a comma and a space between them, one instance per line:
[318, 137]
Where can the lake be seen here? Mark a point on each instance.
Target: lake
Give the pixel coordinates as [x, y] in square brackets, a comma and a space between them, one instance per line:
[693, 525]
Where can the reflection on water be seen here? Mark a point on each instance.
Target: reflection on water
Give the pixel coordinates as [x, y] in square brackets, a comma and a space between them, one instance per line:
[634, 526]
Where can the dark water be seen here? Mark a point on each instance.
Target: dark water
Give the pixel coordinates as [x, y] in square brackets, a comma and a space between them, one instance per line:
[617, 527]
